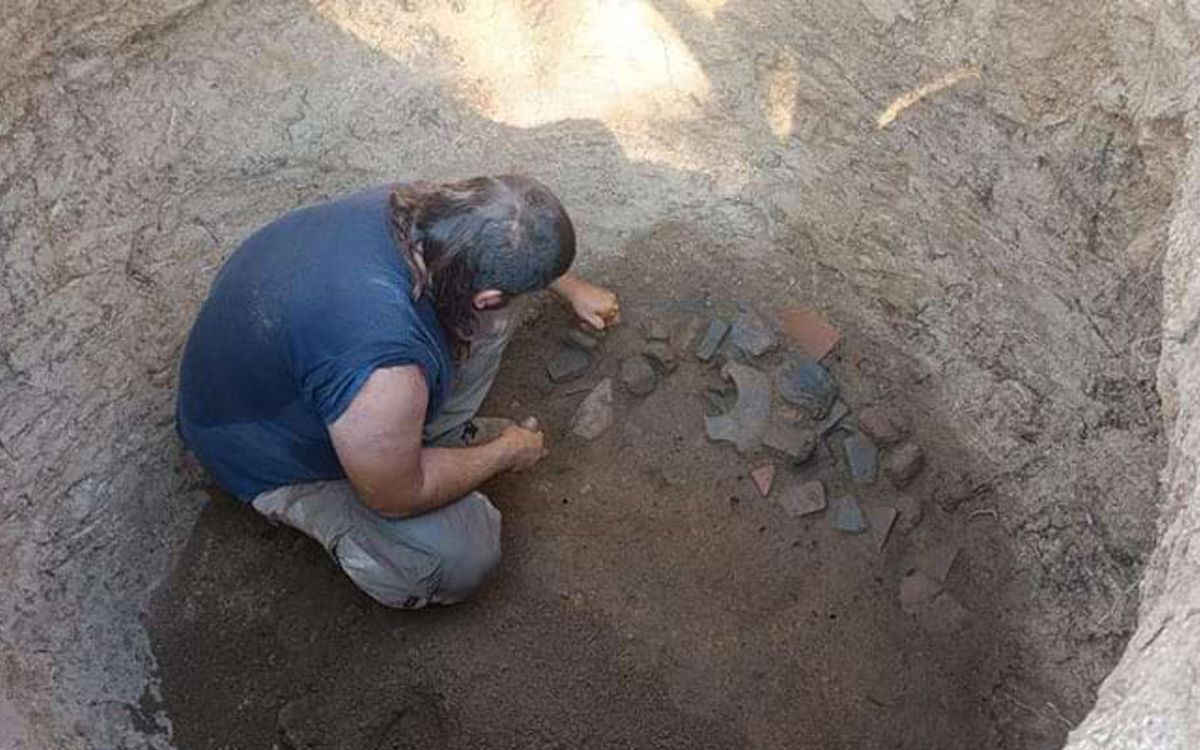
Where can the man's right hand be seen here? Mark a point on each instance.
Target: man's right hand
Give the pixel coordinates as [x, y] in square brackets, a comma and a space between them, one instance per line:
[525, 443]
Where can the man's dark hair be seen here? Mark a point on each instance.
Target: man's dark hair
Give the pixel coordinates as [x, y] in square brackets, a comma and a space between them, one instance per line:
[508, 233]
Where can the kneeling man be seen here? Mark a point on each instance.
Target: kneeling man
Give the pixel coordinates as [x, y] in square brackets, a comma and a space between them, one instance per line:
[332, 378]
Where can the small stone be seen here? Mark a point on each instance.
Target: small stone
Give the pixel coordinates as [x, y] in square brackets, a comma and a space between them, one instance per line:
[802, 499]
[708, 346]
[658, 331]
[847, 515]
[751, 335]
[883, 425]
[638, 376]
[837, 413]
[595, 413]
[763, 476]
[881, 519]
[688, 338]
[937, 562]
[807, 384]
[916, 590]
[570, 362]
[581, 340]
[662, 356]
[809, 330]
[793, 441]
[911, 513]
[904, 463]
[862, 457]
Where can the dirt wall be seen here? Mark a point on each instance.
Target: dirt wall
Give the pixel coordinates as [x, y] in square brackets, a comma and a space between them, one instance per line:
[1150, 700]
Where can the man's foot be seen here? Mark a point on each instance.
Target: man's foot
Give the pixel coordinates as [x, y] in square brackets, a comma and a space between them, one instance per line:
[482, 430]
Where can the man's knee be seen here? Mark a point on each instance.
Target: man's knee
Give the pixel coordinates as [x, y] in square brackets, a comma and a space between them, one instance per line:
[468, 555]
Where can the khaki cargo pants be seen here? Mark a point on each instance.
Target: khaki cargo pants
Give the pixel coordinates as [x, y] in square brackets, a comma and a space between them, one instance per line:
[440, 556]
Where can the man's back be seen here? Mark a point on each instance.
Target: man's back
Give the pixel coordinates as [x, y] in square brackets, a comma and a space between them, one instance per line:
[296, 321]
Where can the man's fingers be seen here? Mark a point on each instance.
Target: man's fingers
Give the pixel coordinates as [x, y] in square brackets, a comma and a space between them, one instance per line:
[530, 423]
[595, 321]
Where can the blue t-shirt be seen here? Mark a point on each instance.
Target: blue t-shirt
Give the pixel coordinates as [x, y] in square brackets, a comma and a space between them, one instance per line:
[296, 321]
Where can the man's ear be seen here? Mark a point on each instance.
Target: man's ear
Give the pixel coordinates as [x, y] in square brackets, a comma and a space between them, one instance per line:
[488, 299]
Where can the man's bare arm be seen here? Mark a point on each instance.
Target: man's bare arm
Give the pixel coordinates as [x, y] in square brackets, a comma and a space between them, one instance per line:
[378, 442]
[595, 305]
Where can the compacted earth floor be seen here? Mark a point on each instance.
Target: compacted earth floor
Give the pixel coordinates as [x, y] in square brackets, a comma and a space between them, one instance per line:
[649, 595]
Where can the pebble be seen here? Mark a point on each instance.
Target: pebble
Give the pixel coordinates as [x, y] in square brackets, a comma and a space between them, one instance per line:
[904, 463]
[708, 346]
[881, 519]
[595, 413]
[763, 476]
[862, 457]
[793, 441]
[638, 376]
[847, 515]
[570, 362]
[578, 338]
[808, 385]
[837, 413]
[662, 356]
[752, 335]
[937, 562]
[885, 426]
[917, 589]
[658, 331]
[802, 499]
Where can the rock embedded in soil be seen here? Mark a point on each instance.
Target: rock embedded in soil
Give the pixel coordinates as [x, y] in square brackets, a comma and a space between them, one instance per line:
[904, 463]
[595, 413]
[751, 335]
[638, 375]
[847, 515]
[808, 385]
[937, 562]
[884, 425]
[763, 477]
[582, 340]
[916, 590]
[657, 330]
[662, 356]
[911, 513]
[569, 362]
[837, 413]
[708, 346]
[809, 330]
[881, 519]
[802, 499]
[862, 457]
[790, 440]
[746, 421]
